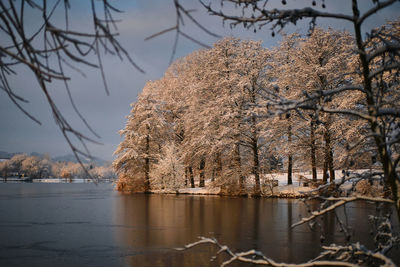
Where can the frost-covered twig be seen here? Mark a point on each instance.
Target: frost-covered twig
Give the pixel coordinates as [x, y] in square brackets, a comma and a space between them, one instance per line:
[340, 201]
[330, 256]
[384, 238]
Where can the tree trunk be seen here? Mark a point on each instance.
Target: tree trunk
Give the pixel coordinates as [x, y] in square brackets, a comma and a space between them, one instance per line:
[239, 168]
[331, 168]
[201, 168]
[312, 144]
[147, 165]
[329, 155]
[390, 176]
[256, 167]
[325, 171]
[290, 159]
[191, 177]
[217, 167]
[186, 176]
[254, 144]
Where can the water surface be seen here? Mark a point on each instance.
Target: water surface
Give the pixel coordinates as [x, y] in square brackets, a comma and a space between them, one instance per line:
[88, 225]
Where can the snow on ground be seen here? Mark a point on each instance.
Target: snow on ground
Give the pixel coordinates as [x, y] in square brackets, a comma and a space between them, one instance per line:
[290, 191]
[201, 191]
[282, 177]
[281, 188]
[278, 191]
[208, 190]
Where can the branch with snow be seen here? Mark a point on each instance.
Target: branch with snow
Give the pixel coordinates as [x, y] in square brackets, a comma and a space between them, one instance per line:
[332, 255]
[339, 201]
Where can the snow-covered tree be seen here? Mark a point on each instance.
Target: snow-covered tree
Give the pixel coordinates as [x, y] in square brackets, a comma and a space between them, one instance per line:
[169, 171]
[378, 69]
[375, 79]
[143, 136]
[45, 166]
[31, 167]
[5, 168]
[320, 62]
[102, 172]
[282, 73]
[325, 59]
[206, 105]
[180, 98]
[221, 122]
[16, 162]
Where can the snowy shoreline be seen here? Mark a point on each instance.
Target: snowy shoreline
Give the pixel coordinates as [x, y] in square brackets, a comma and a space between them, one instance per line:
[284, 191]
[299, 189]
[294, 190]
[280, 192]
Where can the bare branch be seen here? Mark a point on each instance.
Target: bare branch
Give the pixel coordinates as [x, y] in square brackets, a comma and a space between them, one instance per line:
[378, 6]
[339, 202]
[257, 257]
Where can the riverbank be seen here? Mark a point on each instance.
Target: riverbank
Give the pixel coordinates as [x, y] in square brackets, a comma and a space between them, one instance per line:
[283, 191]
[272, 186]
[276, 186]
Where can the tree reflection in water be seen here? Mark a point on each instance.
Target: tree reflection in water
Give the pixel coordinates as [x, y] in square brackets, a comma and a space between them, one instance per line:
[151, 226]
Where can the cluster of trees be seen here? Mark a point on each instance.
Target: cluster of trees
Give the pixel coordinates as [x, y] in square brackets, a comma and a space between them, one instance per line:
[215, 114]
[22, 165]
[339, 104]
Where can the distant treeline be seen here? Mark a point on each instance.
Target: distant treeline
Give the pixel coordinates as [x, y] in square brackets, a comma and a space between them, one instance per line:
[22, 165]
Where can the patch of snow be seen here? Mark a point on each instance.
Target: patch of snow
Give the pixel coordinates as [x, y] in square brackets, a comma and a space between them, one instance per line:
[201, 191]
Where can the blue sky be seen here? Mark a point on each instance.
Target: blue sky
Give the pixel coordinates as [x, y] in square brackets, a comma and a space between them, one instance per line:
[107, 114]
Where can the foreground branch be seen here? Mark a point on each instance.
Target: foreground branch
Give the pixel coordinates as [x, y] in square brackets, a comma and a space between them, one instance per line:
[330, 256]
[340, 202]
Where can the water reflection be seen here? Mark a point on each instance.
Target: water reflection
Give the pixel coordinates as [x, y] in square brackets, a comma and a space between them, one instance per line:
[153, 224]
[89, 225]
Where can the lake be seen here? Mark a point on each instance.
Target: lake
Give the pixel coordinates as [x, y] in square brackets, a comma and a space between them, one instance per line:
[84, 224]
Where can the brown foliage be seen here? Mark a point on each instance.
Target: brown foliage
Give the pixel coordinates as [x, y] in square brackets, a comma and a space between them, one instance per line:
[130, 184]
[368, 188]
